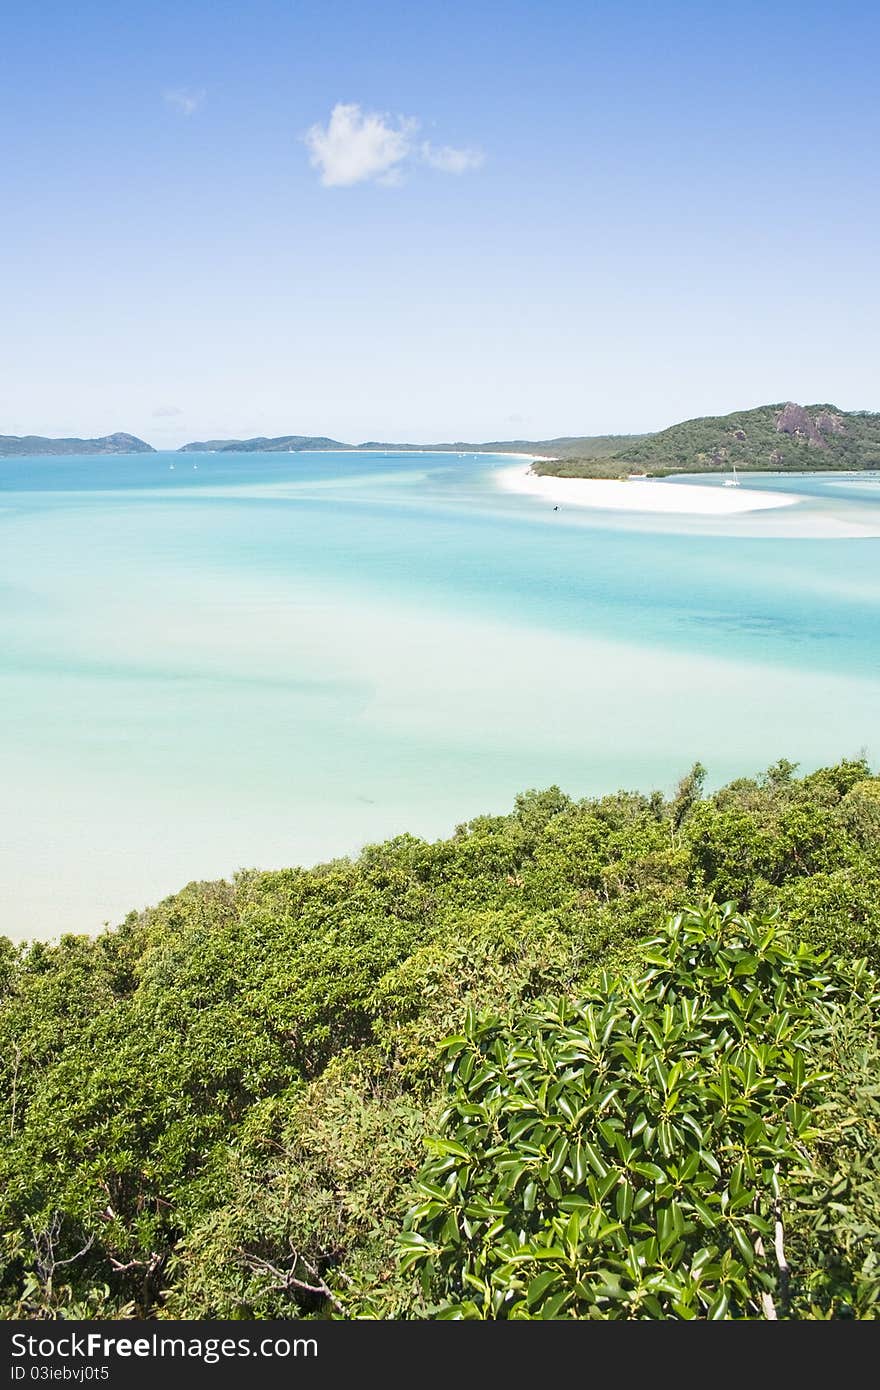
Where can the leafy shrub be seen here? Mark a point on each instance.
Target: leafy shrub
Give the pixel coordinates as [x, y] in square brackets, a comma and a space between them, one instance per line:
[836, 1234]
[630, 1155]
[174, 1091]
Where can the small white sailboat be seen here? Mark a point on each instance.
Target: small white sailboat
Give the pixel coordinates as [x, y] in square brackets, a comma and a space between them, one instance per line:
[734, 481]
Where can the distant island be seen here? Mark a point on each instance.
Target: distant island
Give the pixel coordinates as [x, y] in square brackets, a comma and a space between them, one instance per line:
[785, 437]
[594, 446]
[577, 446]
[14, 445]
[283, 444]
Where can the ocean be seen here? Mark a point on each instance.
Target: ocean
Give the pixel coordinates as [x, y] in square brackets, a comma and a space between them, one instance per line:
[218, 661]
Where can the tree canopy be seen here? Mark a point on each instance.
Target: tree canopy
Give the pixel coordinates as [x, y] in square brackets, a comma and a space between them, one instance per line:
[220, 1107]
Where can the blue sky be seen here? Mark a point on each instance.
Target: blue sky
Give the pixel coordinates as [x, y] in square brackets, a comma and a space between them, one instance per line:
[530, 219]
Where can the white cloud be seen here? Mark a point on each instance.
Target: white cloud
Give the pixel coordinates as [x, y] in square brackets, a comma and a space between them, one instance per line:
[186, 100]
[356, 146]
[451, 160]
[166, 412]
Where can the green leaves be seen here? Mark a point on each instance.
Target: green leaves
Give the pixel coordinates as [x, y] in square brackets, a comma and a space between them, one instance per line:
[540, 1286]
[631, 1148]
[255, 1062]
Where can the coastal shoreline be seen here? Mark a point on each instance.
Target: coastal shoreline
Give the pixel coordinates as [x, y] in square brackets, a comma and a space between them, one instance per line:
[640, 495]
[408, 453]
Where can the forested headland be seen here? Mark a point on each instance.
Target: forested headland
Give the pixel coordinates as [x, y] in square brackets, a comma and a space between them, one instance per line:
[771, 438]
[605, 1058]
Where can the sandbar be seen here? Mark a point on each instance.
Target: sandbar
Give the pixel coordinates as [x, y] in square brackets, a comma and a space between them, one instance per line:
[642, 494]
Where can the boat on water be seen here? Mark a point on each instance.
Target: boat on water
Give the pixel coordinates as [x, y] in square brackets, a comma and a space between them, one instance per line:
[734, 481]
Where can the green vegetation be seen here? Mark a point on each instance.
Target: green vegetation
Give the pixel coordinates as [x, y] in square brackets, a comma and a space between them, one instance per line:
[281, 444]
[220, 1109]
[775, 438]
[13, 445]
[565, 446]
[597, 446]
[603, 466]
[643, 1152]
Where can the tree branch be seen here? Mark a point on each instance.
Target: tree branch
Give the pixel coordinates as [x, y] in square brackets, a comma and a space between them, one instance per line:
[286, 1281]
[44, 1249]
[767, 1304]
[148, 1266]
[779, 1241]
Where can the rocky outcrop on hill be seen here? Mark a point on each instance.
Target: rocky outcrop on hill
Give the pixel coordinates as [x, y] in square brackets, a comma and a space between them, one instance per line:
[795, 420]
[828, 423]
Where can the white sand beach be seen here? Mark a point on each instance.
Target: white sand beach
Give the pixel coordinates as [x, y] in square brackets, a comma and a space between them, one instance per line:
[641, 495]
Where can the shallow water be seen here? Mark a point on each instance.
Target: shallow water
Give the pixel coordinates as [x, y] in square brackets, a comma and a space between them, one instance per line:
[267, 659]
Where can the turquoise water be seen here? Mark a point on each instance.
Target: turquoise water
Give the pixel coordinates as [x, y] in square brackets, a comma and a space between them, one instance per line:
[248, 660]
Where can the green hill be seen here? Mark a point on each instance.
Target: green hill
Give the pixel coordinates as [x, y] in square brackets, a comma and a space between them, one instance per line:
[282, 444]
[579, 446]
[16, 446]
[565, 446]
[772, 438]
